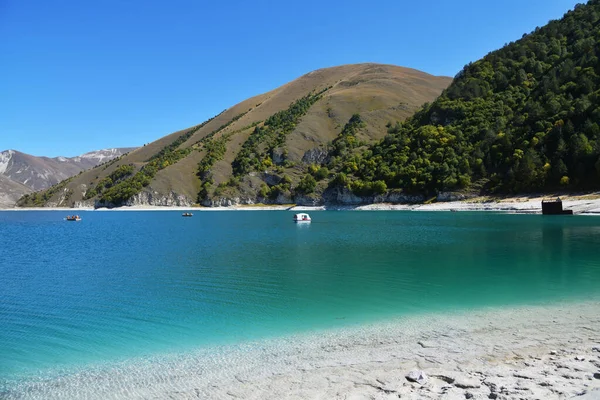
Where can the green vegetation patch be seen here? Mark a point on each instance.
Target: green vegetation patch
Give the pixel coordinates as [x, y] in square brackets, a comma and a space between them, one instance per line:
[39, 199]
[122, 172]
[271, 135]
[215, 151]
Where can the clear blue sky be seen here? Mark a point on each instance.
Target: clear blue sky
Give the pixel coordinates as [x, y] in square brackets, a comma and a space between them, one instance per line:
[84, 75]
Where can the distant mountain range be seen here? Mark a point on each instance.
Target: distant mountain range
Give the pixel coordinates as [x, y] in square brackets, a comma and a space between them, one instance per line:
[259, 149]
[22, 173]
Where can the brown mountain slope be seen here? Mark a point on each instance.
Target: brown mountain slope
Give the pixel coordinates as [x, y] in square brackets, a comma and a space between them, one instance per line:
[166, 172]
[10, 191]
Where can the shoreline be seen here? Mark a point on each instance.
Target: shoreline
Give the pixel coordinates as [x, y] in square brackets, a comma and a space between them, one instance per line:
[580, 204]
[547, 351]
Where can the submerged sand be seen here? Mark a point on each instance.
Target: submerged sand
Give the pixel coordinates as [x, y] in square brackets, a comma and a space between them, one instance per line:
[540, 352]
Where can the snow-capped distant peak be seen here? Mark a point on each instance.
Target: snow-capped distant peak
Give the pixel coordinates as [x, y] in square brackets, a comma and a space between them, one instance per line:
[100, 155]
[41, 172]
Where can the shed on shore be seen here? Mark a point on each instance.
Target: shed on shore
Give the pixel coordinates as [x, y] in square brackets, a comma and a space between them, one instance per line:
[554, 207]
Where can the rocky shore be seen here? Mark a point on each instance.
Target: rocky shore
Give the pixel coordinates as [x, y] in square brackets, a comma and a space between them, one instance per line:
[528, 353]
[541, 352]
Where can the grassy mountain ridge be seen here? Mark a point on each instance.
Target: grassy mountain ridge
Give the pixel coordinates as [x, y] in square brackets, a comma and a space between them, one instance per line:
[198, 163]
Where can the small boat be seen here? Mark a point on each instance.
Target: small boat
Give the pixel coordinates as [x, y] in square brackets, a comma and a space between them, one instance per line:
[73, 218]
[187, 214]
[301, 218]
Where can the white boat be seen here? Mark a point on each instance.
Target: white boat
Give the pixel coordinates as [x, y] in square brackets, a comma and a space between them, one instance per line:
[301, 218]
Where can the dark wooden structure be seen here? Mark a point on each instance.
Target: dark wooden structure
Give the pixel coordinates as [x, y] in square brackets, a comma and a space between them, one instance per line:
[554, 207]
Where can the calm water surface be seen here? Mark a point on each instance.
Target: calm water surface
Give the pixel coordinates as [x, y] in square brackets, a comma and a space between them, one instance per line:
[120, 285]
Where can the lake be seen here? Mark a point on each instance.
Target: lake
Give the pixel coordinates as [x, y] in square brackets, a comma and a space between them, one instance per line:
[123, 286]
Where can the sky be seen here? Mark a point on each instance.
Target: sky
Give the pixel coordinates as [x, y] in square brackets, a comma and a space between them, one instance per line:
[77, 76]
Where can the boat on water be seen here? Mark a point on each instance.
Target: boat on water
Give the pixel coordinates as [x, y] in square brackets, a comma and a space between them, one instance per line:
[73, 218]
[187, 214]
[301, 217]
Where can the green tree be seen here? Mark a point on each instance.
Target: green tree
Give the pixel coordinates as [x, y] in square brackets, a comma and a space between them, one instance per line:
[306, 185]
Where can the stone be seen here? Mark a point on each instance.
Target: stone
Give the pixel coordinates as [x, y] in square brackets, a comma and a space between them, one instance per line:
[417, 376]
[317, 155]
[279, 155]
[445, 377]
[308, 200]
[467, 383]
[270, 178]
[427, 344]
[597, 375]
[579, 358]
[593, 394]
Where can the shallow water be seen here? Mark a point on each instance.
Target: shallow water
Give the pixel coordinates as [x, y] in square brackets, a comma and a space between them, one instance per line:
[121, 286]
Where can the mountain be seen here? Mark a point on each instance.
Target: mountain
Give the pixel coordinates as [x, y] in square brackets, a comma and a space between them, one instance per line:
[524, 118]
[42, 172]
[257, 150]
[11, 191]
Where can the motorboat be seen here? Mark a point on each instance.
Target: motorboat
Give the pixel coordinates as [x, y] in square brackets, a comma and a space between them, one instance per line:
[187, 214]
[73, 218]
[301, 217]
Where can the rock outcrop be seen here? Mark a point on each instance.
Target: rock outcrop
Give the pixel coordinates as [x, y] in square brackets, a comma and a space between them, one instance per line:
[150, 198]
[318, 155]
[172, 199]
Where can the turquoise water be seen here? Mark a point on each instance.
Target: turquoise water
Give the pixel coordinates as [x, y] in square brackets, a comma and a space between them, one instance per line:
[122, 285]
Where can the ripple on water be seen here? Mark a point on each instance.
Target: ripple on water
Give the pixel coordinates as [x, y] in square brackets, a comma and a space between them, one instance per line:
[202, 371]
[134, 286]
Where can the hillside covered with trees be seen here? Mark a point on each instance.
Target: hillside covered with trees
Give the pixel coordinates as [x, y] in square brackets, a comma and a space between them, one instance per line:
[524, 118]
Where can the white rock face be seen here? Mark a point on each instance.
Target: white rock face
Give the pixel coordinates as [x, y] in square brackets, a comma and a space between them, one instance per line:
[5, 158]
[100, 156]
[452, 196]
[345, 196]
[84, 204]
[156, 199]
[146, 198]
[228, 202]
